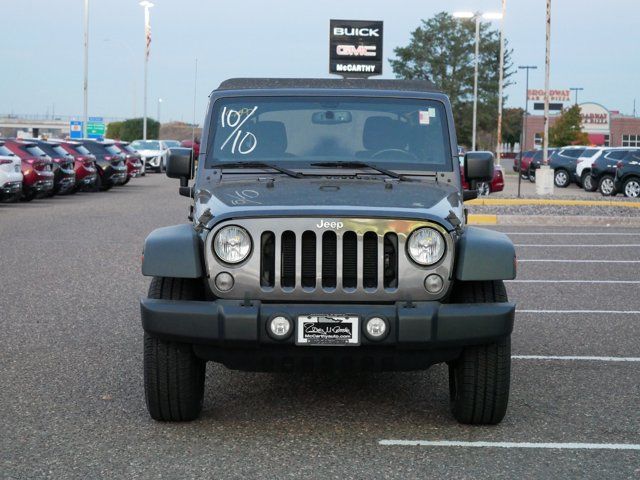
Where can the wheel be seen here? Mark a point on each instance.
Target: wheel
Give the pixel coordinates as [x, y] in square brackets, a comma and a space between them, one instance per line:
[524, 176]
[606, 186]
[587, 182]
[173, 375]
[484, 189]
[561, 178]
[28, 195]
[479, 380]
[102, 186]
[532, 175]
[631, 188]
[127, 180]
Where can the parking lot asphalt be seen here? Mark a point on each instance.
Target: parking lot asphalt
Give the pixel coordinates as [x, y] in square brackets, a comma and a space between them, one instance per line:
[72, 403]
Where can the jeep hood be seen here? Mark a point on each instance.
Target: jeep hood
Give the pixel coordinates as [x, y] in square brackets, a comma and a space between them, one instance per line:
[286, 196]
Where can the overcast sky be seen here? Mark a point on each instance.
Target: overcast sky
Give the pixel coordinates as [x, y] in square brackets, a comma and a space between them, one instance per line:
[594, 45]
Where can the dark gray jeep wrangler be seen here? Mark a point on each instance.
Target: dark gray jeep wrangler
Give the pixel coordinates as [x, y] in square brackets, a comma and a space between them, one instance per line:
[328, 232]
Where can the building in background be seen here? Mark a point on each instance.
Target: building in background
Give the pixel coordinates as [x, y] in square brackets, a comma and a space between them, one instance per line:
[606, 128]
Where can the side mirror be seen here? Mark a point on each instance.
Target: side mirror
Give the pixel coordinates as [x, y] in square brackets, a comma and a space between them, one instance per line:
[180, 165]
[478, 166]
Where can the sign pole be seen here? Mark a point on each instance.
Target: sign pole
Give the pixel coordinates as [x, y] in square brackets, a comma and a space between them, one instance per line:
[544, 178]
[500, 79]
[86, 69]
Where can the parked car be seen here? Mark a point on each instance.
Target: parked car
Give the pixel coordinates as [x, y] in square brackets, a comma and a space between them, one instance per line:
[485, 188]
[154, 154]
[64, 175]
[10, 175]
[172, 143]
[522, 163]
[563, 162]
[195, 146]
[335, 262]
[583, 168]
[110, 166]
[133, 159]
[536, 161]
[603, 169]
[84, 163]
[37, 170]
[627, 178]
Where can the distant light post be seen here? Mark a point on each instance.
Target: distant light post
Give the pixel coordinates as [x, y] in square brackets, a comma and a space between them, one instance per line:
[576, 89]
[159, 104]
[477, 17]
[147, 33]
[524, 121]
[85, 111]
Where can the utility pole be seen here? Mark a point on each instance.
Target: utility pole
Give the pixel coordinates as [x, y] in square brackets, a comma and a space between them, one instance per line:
[544, 178]
[576, 90]
[500, 79]
[475, 85]
[85, 110]
[523, 142]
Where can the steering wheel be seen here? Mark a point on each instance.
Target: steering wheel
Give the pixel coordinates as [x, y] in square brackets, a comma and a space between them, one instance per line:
[394, 150]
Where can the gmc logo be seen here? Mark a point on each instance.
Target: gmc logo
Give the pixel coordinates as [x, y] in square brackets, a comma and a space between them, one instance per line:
[355, 32]
[327, 224]
[359, 51]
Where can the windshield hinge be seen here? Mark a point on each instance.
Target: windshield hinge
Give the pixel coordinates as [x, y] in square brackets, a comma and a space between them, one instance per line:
[455, 221]
[203, 220]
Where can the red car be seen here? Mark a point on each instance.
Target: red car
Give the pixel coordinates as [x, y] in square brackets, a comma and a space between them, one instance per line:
[195, 146]
[133, 159]
[84, 163]
[36, 170]
[496, 185]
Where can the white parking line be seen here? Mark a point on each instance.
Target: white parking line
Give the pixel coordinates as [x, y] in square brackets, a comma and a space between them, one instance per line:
[576, 245]
[575, 358]
[631, 312]
[631, 282]
[555, 446]
[573, 234]
[546, 260]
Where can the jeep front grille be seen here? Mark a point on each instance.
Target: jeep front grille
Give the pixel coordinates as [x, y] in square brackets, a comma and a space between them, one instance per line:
[298, 259]
[320, 264]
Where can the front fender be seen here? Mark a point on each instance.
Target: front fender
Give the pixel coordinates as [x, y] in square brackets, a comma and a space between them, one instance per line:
[174, 251]
[485, 255]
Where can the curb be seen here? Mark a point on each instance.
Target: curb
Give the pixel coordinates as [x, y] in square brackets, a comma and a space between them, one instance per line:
[504, 202]
[555, 221]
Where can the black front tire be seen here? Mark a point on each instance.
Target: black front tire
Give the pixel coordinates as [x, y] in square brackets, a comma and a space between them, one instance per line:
[606, 186]
[587, 182]
[532, 175]
[561, 178]
[479, 380]
[173, 375]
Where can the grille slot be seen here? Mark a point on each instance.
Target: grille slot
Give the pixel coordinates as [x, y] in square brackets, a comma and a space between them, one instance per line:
[390, 260]
[308, 259]
[350, 260]
[267, 259]
[329, 259]
[370, 260]
[288, 275]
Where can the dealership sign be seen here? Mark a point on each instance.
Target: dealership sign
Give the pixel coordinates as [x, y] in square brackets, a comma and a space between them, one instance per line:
[554, 95]
[355, 48]
[595, 118]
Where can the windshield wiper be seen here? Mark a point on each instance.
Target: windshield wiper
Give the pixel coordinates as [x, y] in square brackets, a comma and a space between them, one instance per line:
[358, 165]
[286, 171]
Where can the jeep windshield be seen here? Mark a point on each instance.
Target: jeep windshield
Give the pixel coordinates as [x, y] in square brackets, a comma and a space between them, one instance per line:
[305, 132]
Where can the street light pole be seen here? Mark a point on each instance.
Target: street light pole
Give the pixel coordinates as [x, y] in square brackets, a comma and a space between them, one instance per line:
[85, 111]
[159, 104]
[475, 85]
[576, 89]
[524, 120]
[500, 79]
[147, 31]
[477, 17]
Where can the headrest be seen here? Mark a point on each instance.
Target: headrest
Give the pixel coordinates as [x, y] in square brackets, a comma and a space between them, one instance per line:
[271, 138]
[380, 133]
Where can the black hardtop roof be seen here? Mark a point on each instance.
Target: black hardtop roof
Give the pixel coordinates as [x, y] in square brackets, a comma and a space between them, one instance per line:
[328, 83]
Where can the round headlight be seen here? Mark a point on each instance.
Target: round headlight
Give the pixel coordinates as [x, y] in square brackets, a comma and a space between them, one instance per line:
[232, 244]
[426, 246]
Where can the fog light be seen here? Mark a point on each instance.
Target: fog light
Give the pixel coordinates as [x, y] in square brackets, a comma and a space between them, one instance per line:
[279, 327]
[376, 328]
[224, 282]
[433, 283]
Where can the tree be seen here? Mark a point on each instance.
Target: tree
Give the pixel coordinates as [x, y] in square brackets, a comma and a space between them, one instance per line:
[113, 130]
[567, 129]
[442, 50]
[512, 125]
[132, 129]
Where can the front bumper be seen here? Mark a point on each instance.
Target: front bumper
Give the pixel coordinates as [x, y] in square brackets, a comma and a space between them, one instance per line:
[243, 324]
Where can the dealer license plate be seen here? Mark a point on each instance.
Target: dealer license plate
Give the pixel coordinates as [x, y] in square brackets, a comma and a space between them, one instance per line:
[328, 330]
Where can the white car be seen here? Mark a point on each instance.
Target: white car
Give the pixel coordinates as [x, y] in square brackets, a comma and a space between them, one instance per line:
[154, 154]
[583, 166]
[10, 175]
